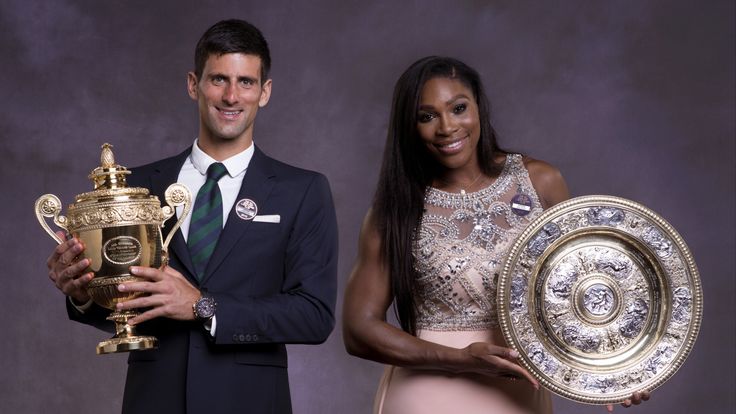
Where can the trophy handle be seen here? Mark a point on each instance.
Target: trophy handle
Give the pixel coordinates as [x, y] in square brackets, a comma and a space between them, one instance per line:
[49, 205]
[176, 195]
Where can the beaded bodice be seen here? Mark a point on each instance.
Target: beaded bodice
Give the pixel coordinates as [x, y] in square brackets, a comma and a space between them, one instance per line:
[460, 247]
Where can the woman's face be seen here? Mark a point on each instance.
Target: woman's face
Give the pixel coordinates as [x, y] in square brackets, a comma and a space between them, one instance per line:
[448, 123]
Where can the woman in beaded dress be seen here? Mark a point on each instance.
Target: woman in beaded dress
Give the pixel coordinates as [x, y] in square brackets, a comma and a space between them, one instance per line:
[449, 204]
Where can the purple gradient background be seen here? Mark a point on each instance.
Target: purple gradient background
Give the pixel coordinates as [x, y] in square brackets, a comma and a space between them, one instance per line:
[627, 98]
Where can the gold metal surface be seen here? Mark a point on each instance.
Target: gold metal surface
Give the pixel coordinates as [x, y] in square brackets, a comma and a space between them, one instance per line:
[120, 227]
[601, 298]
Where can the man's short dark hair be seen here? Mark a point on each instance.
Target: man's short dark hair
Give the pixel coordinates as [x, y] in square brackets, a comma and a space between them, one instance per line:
[232, 36]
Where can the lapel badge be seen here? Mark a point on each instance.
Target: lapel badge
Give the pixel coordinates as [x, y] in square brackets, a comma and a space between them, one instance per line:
[246, 209]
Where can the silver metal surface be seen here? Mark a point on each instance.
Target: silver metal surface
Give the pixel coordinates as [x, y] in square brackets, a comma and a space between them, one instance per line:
[601, 298]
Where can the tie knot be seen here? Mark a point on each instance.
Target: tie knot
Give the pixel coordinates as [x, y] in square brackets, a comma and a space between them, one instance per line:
[215, 171]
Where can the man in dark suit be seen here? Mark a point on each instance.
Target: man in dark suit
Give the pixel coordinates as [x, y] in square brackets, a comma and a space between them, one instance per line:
[249, 272]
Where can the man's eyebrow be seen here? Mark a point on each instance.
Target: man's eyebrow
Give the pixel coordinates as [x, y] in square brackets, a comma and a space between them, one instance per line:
[214, 75]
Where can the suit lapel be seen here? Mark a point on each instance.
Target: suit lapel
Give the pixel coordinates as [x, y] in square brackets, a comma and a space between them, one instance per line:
[164, 176]
[257, 185]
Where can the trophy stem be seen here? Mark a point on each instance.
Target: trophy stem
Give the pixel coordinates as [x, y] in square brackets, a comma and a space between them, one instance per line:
[125, 338]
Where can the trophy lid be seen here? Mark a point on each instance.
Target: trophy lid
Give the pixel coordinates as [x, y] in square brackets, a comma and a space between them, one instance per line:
[109, 178]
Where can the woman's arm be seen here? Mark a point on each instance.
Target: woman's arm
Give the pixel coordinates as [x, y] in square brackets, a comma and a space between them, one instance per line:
[367, 334]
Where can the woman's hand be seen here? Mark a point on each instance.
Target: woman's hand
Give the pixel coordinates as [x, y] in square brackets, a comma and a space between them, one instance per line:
[497, 361]
[636, 399]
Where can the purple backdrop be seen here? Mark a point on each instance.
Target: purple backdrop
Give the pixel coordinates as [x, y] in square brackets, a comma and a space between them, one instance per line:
[627, 98]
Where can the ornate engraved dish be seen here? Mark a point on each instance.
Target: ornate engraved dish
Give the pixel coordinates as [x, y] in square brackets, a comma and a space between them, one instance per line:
[601, 298]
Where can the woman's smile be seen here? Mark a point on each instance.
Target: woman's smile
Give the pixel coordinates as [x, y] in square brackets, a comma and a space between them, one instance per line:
[452, 147]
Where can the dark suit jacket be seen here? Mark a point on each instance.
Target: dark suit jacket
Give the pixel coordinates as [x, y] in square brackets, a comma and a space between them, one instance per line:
[273, 283]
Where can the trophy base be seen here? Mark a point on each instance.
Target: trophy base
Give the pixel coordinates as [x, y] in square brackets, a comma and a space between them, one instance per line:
[125, 338]
[135, 343]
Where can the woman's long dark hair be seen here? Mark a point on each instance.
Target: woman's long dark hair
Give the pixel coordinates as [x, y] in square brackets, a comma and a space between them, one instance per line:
[408, 169]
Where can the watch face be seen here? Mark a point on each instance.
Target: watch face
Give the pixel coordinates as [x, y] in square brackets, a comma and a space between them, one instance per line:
[205, 307]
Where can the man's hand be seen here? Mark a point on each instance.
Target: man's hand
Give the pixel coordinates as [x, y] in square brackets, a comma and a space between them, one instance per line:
[170, 294]
[65, 270]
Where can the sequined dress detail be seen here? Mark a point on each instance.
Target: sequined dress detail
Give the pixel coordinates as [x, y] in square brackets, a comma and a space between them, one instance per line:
[460, 247]
[458, 253]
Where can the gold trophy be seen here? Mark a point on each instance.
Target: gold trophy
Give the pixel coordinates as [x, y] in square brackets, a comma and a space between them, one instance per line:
[120, 227]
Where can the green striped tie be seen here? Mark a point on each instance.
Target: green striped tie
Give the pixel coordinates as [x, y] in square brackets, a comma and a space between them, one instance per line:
[206, 224]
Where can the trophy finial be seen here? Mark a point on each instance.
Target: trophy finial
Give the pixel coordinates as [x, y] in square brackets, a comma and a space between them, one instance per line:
[108, 175]
[107, 159]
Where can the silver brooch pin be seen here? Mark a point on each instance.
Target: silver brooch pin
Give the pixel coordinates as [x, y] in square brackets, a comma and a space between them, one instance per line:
[246, 209]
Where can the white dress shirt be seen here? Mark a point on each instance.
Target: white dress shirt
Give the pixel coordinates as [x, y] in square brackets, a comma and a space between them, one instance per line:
[193, 174]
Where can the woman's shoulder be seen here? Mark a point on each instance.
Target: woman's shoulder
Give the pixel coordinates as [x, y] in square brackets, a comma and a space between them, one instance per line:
[541, 171]
[547, 181]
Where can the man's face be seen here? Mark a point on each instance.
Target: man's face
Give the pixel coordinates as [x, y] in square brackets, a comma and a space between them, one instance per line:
[229, 94]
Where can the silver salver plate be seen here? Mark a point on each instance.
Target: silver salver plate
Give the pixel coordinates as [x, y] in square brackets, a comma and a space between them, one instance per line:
[601, 298]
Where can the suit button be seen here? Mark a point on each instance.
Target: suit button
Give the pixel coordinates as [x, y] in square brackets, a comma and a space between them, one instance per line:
[235, 337]
[241, 338]
[255, 337]
[247, 337]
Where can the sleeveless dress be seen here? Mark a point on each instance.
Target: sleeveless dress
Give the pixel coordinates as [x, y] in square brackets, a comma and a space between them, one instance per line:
[458, 254]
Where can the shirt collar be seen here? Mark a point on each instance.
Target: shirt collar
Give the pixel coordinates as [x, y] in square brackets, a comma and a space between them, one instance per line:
[235, 165]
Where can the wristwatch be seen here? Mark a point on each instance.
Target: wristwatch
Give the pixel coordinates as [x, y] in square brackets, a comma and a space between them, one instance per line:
[204, 308]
